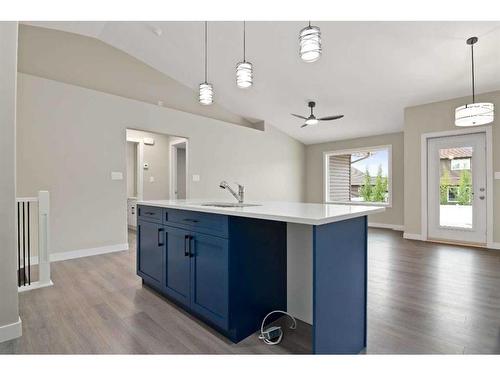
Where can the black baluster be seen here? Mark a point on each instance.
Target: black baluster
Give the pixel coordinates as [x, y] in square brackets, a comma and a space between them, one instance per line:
[24, 246]
[18, 244]
[29, 247]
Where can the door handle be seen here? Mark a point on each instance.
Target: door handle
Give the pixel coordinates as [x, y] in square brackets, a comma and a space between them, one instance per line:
[482, 197]
[191, 252]
[186, 246]
[160, 237]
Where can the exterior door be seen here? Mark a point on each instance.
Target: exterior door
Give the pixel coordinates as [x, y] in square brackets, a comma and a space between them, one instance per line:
[456, 191]
[177, 274]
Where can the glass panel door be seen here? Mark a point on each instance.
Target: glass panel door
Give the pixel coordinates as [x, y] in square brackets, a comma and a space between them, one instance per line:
[457, 188]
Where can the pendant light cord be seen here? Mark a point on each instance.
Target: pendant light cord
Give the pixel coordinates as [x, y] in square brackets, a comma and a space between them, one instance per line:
[473, 83]
[244, 41]
[206, 52]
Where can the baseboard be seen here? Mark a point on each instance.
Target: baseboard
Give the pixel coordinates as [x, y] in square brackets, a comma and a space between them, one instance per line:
[11, 331]
[81, 253]
[412, 236]
[494, 245]
[400, 228]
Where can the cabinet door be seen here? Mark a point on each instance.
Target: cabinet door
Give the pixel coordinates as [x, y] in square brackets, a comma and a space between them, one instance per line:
[151, 252]
[209, 278]
[177, 276]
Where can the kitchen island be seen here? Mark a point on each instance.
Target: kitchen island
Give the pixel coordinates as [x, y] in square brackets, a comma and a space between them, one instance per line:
[230, 266]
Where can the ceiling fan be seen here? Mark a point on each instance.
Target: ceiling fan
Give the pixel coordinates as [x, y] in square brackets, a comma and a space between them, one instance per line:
[312, 120]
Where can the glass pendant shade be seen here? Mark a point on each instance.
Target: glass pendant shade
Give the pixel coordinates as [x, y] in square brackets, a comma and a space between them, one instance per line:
[310, 43]
[474, 114]
[206, 93]
[244, 75]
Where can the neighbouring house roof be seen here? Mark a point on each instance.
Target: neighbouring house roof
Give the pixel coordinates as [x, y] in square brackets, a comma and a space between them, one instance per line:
[357, 177]
[452, 153]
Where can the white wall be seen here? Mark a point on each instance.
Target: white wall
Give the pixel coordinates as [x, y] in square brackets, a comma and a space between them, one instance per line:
[9, 314]
[71, 138]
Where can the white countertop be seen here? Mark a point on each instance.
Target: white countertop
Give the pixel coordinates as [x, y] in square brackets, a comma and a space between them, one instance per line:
[291, 212]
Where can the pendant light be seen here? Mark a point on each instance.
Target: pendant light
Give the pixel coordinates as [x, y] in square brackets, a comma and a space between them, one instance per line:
[474, 114]
[206, 89]
[244, 69]
[310, 43]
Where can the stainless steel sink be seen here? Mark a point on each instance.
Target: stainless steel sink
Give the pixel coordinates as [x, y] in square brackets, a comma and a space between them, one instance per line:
[227, 204]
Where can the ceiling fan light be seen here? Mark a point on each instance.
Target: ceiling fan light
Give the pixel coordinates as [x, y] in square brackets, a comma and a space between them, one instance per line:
[206, 93]
[311, 121]
[474, 114]
[310, 43]
[244, 75]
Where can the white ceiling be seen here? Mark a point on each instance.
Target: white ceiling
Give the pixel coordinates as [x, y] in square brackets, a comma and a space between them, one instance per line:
[369, 71]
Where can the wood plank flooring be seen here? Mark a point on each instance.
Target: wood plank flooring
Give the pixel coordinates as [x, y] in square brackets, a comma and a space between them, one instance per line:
[423, 298]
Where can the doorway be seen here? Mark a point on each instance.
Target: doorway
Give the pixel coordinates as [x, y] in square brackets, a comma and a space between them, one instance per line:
[178, 169]
[456, 188]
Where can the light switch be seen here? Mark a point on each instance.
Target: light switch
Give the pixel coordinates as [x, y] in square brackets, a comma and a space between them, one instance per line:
[196, 178]
[116, 175]
[497, 175]
[151, 178]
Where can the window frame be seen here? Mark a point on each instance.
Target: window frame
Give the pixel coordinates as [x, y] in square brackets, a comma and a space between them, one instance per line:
[327, 154]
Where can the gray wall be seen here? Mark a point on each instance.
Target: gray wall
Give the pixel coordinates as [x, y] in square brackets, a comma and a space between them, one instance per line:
[437, 117]
[8, 280]
[158, 158]
[72, 148]
[314, 172]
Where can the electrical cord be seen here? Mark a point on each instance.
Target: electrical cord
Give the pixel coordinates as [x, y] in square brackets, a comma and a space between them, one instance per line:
[274, 335]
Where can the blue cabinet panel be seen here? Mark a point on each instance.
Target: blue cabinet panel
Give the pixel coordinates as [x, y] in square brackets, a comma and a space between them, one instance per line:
[209, 278]
[177, 273]
[199, 222]
[228, 271]
[151, 252]
[340, 286]
[150, 213]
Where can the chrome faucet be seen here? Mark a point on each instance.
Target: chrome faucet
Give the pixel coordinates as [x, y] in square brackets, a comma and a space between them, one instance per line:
[240, 195]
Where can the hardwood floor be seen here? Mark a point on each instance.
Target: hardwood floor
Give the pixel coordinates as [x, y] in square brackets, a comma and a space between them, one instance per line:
[423, 298]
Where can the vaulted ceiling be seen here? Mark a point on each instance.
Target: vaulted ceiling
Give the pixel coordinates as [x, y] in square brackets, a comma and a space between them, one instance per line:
[369, 71]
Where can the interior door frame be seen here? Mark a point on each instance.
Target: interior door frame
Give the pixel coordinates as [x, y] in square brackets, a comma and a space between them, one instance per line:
[140, 170]
[487, 130]
[173, 166]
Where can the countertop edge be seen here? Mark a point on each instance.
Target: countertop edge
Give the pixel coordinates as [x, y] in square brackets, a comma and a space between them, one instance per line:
[264, 216]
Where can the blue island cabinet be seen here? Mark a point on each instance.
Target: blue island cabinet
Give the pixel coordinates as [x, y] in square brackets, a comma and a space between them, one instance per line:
[228, 271]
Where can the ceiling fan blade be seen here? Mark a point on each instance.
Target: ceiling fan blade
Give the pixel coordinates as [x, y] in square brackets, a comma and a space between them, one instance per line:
[328, 118]
[299, 116]
[303, 126]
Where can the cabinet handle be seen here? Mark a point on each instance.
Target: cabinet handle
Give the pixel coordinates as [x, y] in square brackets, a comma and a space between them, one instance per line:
[191, 252]
[191, 220]
[186, 250]
[160, 237]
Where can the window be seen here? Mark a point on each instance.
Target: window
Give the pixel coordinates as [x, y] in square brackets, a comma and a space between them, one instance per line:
[359, 176]
[452, 193]
[460, 164]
